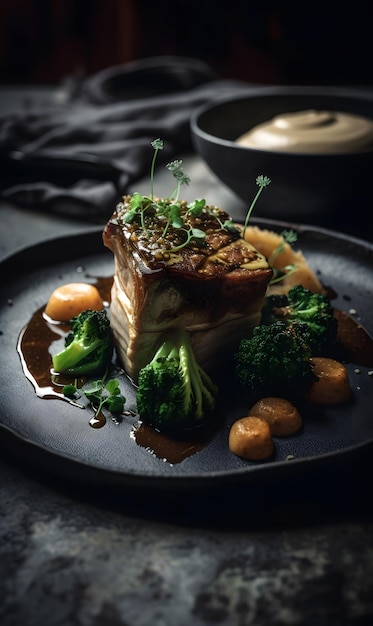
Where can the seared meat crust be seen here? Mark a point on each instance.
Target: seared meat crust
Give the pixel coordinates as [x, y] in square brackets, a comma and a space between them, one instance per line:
[213, 287]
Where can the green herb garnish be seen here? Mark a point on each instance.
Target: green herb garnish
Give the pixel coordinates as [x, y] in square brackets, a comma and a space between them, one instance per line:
[105, 393]
[262, 182]
[290, 237]
[157, 144]
[170, 209]
[196, 208]
[102, 393]
[176, 167]
[191, 233]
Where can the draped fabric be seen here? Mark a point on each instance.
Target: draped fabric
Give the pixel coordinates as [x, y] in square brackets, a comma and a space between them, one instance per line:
[78, 156]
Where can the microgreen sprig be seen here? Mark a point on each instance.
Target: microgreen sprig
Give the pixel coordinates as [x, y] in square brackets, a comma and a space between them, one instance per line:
[139, 205]
[170, 209]
[288, 237]
[262, 182]
[176, 167]
[196, 207]
[157, 144]
[102, 393]
[227, 225]
[105, 393]
[191, 233]
[173, 216]
[280, 275]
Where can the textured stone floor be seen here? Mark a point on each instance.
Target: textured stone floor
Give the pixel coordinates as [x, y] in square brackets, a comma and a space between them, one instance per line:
[65, 562]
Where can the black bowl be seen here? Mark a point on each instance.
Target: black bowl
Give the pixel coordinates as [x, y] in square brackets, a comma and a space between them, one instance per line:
[303, 185]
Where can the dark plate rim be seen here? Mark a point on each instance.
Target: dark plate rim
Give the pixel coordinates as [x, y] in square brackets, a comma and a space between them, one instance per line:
[40, 454]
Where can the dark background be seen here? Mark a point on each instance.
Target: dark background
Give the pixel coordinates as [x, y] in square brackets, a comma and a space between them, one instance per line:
[45, 41]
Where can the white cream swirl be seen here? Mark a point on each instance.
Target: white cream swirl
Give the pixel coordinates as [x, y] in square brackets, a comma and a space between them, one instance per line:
[312, 132]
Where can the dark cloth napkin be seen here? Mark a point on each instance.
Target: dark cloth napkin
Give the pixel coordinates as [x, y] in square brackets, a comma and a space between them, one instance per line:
[79, 156]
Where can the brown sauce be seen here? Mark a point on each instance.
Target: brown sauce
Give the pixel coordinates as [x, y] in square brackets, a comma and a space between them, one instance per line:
[164, 447]
[34, 346]
[36, 339]
[104, 285]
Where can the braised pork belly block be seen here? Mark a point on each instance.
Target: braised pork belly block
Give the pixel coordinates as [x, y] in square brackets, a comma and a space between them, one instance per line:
[212, 284]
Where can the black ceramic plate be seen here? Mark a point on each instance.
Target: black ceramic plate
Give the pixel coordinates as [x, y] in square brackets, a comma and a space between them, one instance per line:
[58, 435]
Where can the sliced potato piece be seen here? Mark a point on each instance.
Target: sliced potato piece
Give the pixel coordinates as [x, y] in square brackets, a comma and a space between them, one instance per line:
[332, 385]
[282, 416]
[266, 241]
[250, 438]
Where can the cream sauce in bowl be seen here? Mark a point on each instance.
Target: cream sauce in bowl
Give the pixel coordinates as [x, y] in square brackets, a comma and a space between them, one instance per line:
[313, 132]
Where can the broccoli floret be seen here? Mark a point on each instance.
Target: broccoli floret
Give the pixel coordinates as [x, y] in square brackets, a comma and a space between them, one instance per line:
[273, 361]
[311, 312]
[88, 346]
[174, 393]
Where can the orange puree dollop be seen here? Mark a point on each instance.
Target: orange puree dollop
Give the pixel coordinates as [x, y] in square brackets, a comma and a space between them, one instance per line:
[71, 299]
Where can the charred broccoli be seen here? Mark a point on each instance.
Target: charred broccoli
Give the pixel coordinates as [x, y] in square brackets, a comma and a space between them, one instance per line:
[311, 315]
[273, 361]
[174, 393]
[88, 346]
